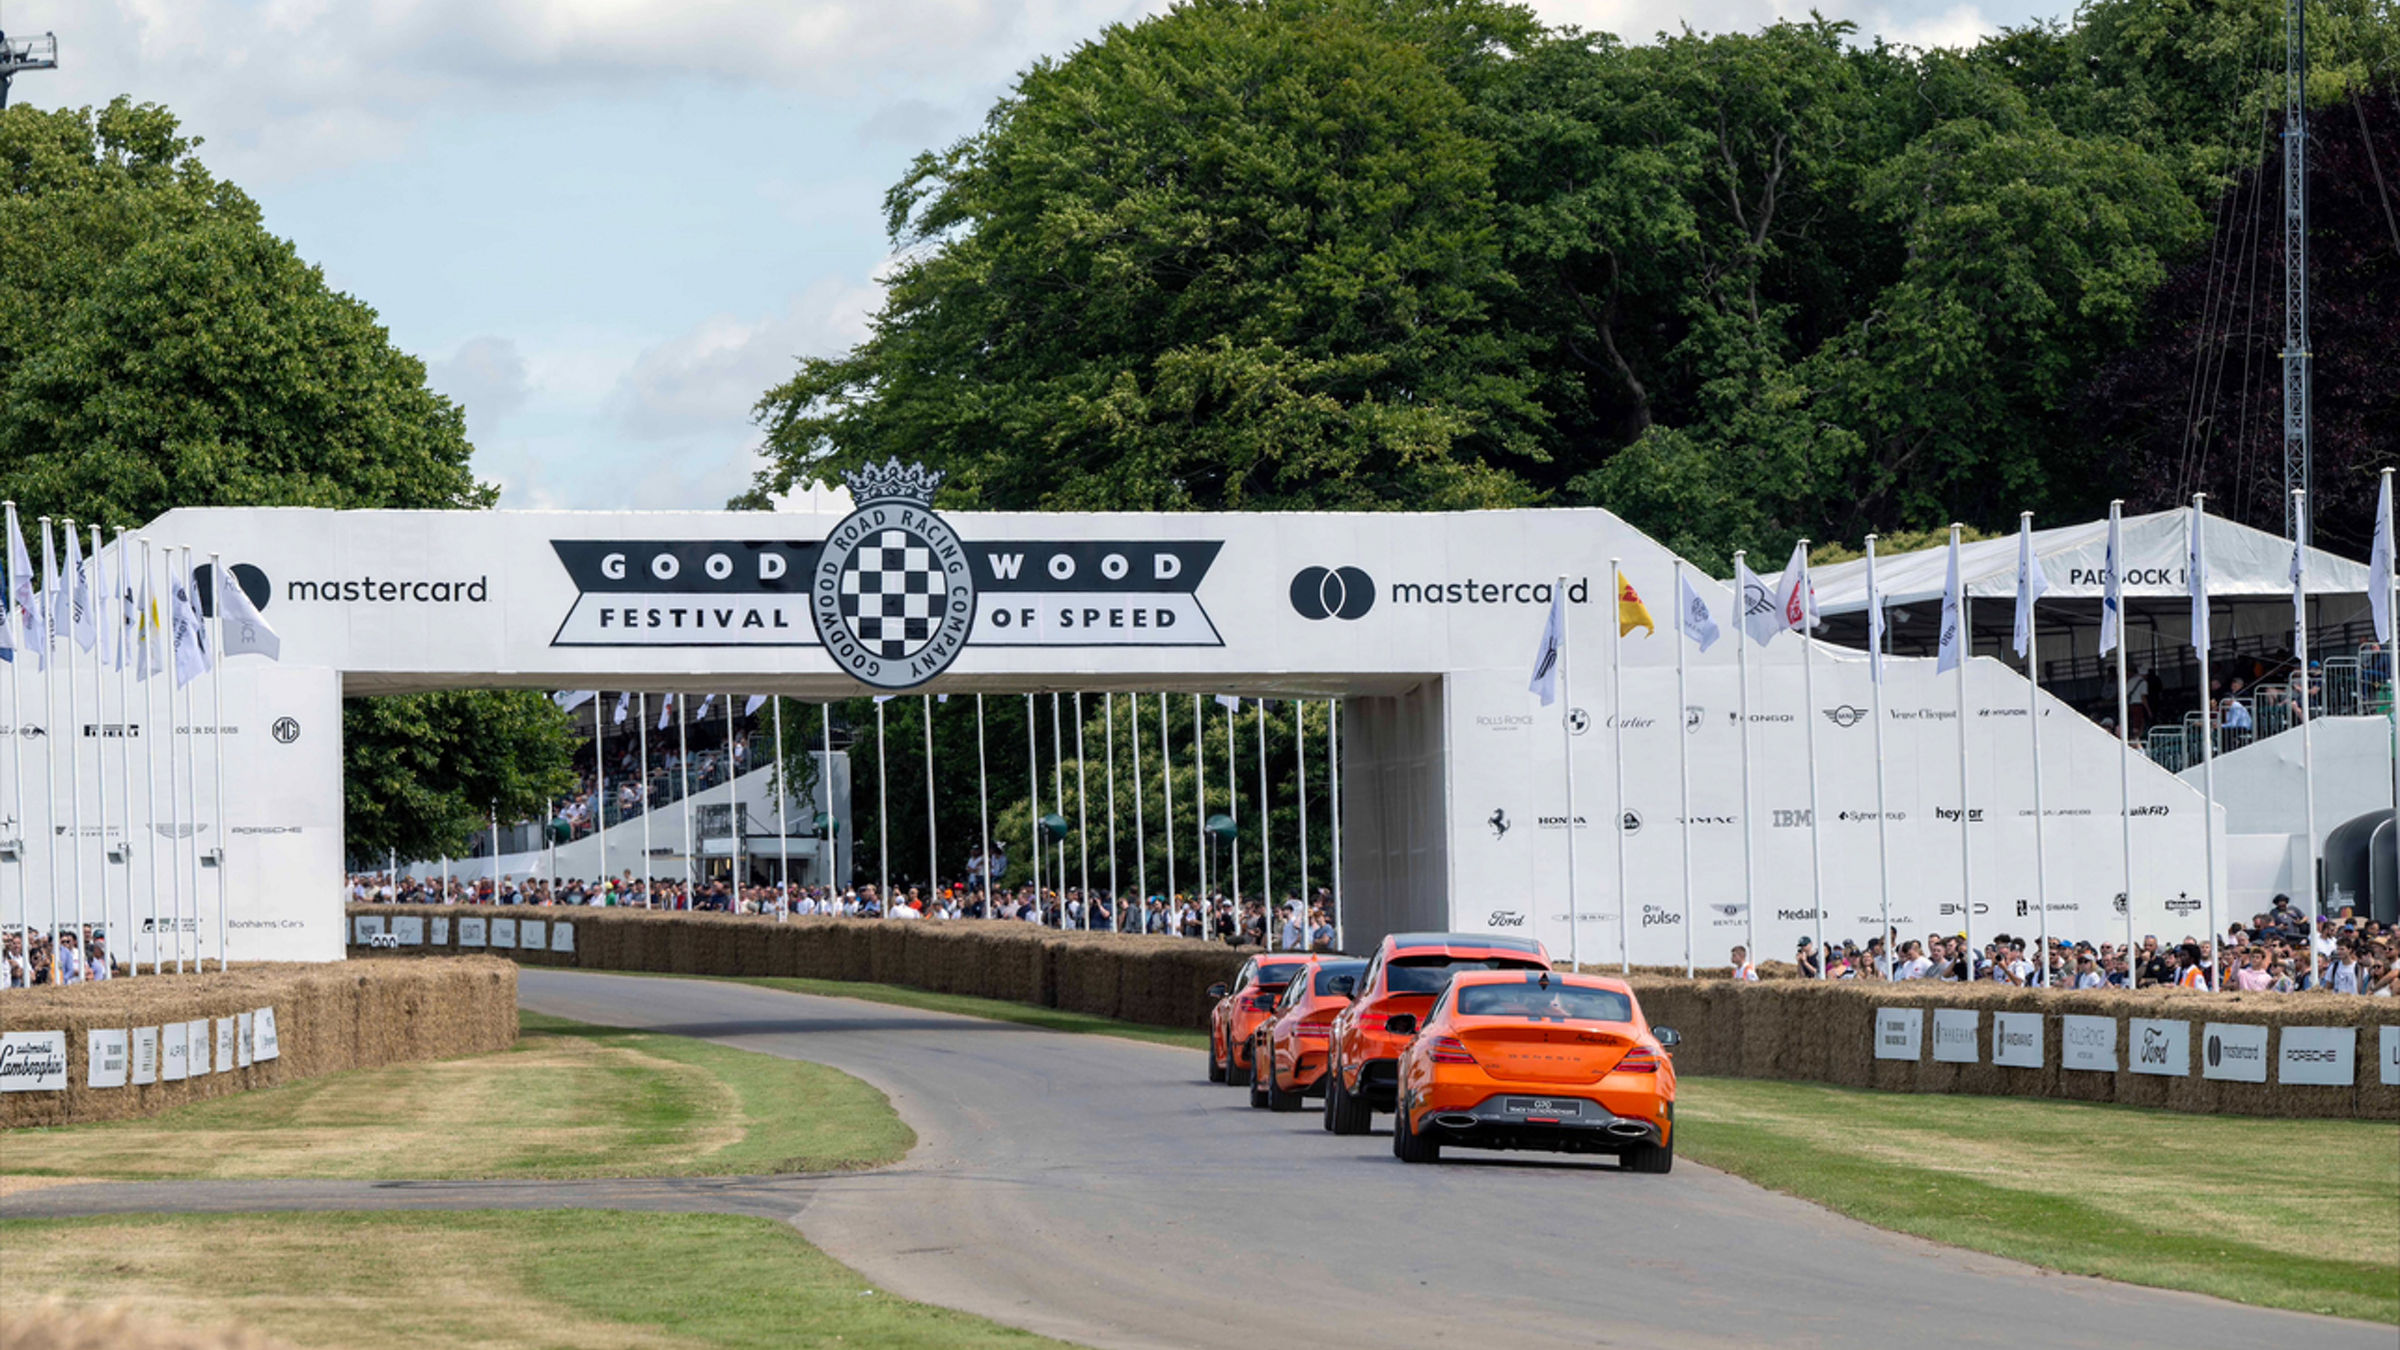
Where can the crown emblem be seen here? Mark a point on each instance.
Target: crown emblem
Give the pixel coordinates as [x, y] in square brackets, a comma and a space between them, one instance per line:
[893, 480]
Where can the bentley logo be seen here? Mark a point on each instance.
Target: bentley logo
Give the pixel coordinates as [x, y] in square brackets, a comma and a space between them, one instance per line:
[893, 595]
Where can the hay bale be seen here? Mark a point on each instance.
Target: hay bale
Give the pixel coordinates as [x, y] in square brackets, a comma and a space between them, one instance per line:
[49, 1324]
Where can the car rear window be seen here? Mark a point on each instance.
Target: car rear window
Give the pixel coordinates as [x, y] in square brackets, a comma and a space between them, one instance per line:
[1556, 1003]
[1277, 975]
[1430, 974]
[1334, 970]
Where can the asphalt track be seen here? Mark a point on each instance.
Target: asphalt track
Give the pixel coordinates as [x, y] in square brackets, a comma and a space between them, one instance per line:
[1097, 1190]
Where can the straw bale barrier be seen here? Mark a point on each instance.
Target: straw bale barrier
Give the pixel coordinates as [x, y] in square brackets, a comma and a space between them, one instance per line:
[327, 1017]
[1157, 981]
[50, 1324]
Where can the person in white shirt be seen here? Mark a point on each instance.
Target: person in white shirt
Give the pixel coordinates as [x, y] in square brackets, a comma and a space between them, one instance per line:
[1743, 968]
[1913, 965]
[2087, 973]
[2345, 970]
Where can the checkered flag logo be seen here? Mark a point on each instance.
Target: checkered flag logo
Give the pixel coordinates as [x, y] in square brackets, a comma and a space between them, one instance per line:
[891, 594]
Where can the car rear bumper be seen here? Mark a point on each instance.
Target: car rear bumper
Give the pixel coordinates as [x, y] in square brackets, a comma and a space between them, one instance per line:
[1379, 1084]
[1492, 1123]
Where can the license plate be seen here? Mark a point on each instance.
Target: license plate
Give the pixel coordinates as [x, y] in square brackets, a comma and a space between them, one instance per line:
[1542, 1106]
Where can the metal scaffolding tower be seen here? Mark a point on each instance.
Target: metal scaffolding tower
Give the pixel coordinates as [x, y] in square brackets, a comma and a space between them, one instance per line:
[18, 55]
[2297, 459]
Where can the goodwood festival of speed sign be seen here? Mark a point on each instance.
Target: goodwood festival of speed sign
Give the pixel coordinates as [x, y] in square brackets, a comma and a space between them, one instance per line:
[893, 594]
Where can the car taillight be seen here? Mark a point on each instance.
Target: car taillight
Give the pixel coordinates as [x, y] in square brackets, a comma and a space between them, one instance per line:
[1372, 1021]
[1450, 1050]
[1316, 1031]
[1638, 1060]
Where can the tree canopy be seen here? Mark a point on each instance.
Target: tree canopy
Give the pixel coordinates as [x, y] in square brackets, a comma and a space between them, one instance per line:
[1423, 254]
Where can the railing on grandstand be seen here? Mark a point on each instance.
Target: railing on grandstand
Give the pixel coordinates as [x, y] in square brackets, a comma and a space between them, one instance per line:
[2356, 685]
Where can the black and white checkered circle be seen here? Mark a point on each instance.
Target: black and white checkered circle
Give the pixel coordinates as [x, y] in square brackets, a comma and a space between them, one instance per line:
[892, 594]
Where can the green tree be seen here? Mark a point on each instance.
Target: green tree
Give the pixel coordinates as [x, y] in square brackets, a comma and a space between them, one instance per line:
[423, 772]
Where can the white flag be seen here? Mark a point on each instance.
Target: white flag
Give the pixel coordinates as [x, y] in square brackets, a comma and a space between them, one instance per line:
[245, 631]
[2032, 584]
[103, 608]
[1229, 703]
[1693, 618]
[705, 701]
[2379, 563]
[2299, 571]
[79, 593]
[129, 618]
[1548, 656]
[1954, 611]
[2112, 601]
[568, 700]
[624, 700]
[666, 711]
[1760, 618]
[2195, 572]
[1796, 595]
[147, 659]
[24, 597]
[758, 701]
[1874, 618]
[191, 642]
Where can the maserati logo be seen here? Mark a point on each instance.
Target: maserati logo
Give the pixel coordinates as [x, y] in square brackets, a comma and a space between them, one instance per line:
[893, 595]
[1845, 715]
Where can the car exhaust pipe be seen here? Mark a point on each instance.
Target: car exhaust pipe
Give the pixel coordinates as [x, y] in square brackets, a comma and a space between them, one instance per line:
[1628, 1129]
[1455, 1120]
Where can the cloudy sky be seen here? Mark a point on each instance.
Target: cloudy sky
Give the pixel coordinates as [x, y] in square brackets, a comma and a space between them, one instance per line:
[609, 225]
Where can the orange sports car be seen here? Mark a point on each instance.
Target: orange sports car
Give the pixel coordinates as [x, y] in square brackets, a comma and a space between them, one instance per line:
[1551, 1061]
[1289, 1051]
[1404, 975]
[1241, 1007]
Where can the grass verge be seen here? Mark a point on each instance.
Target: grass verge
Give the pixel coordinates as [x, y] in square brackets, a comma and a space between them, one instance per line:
[2281, 1213]
[491, 1281]
[966, 1005]
[568, 1100]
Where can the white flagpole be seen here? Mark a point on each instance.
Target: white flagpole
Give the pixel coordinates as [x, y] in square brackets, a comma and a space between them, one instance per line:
[16, 738]
[126, 631]
[100, 741]
[1300, 795]
[2033, 729]
[641, 749]
[1166, 776]
[161, 842]
[1083, 821]
[599, 794]
[1108, 719]
[733, 809]
[1058, 800]
[445, 900]
[1883, 823]
[2308, 766]
[1141, 840]
[1200, 810]
[550, 843]
[1566, 745]
[883, 818]
[833, 826]
[191, 766]
[494, 809]
[1033, 799]
[2391, 579]
[1808, 717]
[2201, 641]
[1266, 821]
[47, 621]
[1616, 723]
[1741, 716]
[783, 821]
[691, 841]
[1966, 813]
[1233, 798]
[983, 807]
[2116, 585]
[1333, 774]
[933, 851]
[216, 693]
[1683, 765]
[74, 740]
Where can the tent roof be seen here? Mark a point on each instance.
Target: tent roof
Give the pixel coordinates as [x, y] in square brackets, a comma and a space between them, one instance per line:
[2241, 562]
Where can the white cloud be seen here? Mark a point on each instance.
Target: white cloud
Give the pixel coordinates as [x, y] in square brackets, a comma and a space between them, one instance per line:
[705, 379]
[486, 376]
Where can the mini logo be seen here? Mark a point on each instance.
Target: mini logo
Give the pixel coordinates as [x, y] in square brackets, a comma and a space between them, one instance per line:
[285, 730]
[1693, 716]
[1578, 721]
[1630, 822]
[1845, 715]
[1508, 918]
[1498, 822]
[1332, 593]
[893, 596]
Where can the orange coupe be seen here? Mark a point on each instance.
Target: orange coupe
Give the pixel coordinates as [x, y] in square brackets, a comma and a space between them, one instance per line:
[1403, 977]
[1290, 1049]
[1241, 1007]
[1557, 1062]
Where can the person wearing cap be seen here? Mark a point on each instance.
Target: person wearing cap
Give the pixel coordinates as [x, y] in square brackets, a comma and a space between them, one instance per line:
[1806, 958]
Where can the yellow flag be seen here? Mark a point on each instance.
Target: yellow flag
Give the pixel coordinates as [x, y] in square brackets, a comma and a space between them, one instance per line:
[1631, 612]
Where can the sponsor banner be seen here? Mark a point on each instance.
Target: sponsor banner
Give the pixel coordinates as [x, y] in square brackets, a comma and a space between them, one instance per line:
[227, 1037]
[174, 1052]
[2017, 1040]
[409, 929]
[2087, 1043]
[2387, 1056]
[504, 933]
[364, 928]
[2157, 1045]
[1899, 1033]
[562, 936]
[33, 1061]
[105, 1053]
[530, 935]
[441, 931]
[2324, 1056]
[195, 1033]
[145, 1056]
[1957, 1035]
[243, 1044]
[263, 1027]
[2234, 1052]
[471, 931]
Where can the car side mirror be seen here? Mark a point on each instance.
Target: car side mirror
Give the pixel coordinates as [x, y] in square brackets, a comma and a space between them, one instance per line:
[1345, 985]
[1668, 1037]
[1218, 991]
[1403, 1025]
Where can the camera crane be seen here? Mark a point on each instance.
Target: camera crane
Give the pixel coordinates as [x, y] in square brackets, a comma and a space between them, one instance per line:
[18, 55]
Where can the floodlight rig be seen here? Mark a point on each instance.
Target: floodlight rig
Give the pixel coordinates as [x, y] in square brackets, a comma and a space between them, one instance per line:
[18, 55]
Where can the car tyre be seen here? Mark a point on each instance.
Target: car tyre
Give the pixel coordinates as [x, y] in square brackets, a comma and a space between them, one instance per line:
[1409, 1146]
[1236, 1074]
[1259, 1098]
[1344, 1113]
[1279, 1100]
[1655, 1159]
[1216, 1062]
